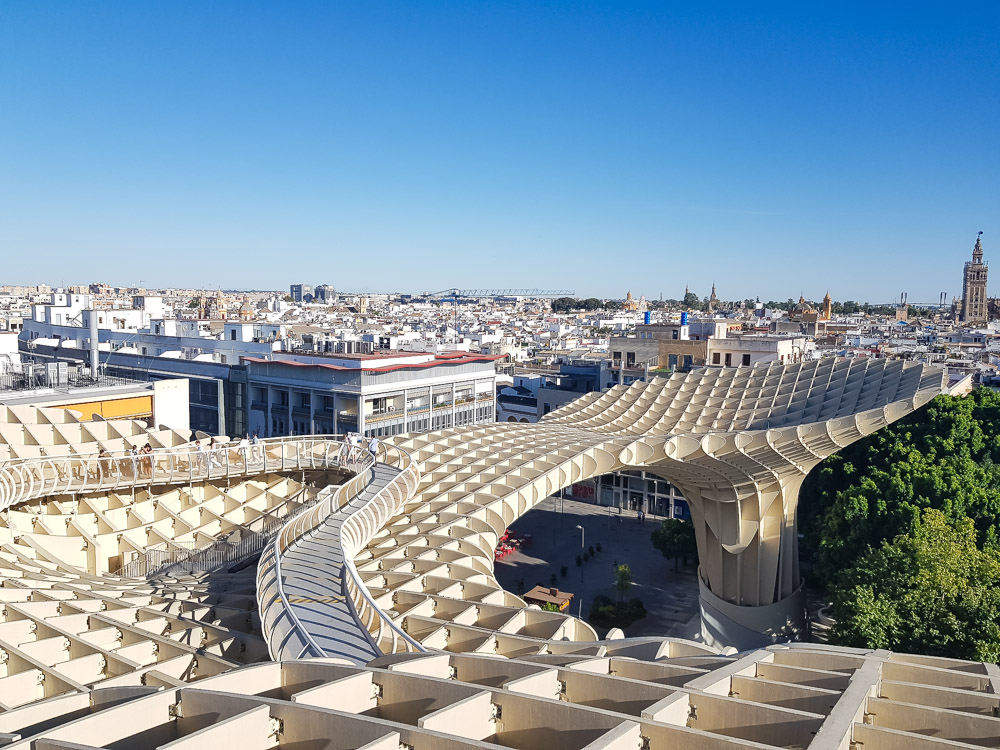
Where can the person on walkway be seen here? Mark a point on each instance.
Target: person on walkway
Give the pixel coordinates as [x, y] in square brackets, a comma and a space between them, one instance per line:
[199, 456]
[244, 449]
[255, 450]
[213, 453]
[104, 459]
[373, 449]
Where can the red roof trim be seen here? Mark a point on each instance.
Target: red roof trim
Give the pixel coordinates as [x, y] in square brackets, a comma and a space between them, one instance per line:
[438, 360]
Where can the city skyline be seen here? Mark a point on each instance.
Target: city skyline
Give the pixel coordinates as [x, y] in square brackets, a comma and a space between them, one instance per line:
[592, 148]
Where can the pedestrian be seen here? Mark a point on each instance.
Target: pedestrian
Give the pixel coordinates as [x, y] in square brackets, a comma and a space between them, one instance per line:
[373, 447]
[255, 450]
[105, 461]
[214, 459]
[244, 449]
[199, 456]
[133, 454]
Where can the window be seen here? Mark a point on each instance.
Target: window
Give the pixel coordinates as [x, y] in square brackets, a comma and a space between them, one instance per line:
[729, 359]
[232, 334]
[746, 360]
[674, 333]
[715, 358]
[630, 359]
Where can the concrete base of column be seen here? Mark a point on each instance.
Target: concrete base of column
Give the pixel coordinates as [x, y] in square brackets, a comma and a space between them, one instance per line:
[743, 628]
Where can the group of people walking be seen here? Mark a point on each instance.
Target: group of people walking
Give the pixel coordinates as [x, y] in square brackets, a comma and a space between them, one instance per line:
[205, 456]
[137, 462]
[354, 446]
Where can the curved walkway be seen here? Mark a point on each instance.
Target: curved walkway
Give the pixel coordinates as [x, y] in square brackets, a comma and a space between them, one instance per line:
[313, 578]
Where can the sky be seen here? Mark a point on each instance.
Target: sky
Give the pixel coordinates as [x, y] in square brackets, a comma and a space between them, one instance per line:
[411, 146]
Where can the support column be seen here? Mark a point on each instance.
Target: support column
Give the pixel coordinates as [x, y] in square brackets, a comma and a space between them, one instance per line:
[750, 593]
[406, 406]
[454, 407]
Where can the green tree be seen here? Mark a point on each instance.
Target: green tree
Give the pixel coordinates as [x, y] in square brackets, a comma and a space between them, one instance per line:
[623, 581]
[930, 591]
[675, 538]
[946, 456]
[691, 301]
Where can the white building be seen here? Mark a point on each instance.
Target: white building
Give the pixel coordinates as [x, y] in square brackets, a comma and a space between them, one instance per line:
[384, 393]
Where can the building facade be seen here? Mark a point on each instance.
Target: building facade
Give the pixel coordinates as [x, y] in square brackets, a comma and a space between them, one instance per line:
[379, 394]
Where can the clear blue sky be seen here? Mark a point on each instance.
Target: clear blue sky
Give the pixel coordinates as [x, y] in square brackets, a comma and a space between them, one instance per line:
[422, 145]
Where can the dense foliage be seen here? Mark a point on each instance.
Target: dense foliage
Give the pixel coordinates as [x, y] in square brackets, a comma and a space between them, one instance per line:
[675, 538]
[912, 508]
[932, 591]
[605, 613]
[571, 304]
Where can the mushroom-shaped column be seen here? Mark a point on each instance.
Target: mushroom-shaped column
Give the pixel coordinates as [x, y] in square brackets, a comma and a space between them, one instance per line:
[738, 447]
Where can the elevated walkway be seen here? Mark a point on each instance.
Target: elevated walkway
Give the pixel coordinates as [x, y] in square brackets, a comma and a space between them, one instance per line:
[29, 479]
[313, 578]
[312, 601]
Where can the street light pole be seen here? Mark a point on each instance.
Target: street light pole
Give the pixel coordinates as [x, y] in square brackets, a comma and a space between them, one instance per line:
[582, 535]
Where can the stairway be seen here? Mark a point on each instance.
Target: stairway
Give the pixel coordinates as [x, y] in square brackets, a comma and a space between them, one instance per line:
[312, 579]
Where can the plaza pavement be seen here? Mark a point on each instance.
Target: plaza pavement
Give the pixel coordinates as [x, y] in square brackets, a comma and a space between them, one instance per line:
[671, 599]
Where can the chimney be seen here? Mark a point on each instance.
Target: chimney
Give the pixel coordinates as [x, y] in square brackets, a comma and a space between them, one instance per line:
[93, 342]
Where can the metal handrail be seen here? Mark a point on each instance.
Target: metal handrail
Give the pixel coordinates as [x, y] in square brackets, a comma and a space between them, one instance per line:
[357, 529]
[401, 488]
[269, 580]
[26, 479]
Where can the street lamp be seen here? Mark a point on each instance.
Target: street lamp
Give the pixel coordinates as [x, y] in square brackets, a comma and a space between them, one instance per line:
[581, 551]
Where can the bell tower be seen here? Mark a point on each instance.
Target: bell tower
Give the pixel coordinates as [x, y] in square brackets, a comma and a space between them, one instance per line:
[974, 309]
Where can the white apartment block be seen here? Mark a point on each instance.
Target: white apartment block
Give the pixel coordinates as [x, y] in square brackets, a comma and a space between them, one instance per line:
[384, 393]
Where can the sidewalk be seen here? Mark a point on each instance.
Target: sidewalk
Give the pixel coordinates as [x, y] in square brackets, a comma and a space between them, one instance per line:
[671, 599]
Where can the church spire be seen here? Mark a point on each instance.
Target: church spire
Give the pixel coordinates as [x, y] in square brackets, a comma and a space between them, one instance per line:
[977, 251]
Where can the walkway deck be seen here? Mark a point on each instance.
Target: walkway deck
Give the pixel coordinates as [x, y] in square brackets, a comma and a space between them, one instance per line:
[312, 573]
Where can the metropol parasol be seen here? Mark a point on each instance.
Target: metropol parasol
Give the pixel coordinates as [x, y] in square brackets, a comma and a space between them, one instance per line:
[288, 594]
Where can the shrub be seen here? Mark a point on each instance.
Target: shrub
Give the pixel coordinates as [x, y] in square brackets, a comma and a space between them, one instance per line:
[564, 571]
[553, 580]
[590, 549]
[606, 613]
[598, 546]
[579, 560]
[586, 556]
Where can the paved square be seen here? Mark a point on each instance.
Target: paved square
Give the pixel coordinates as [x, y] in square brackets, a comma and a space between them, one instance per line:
[671, 599]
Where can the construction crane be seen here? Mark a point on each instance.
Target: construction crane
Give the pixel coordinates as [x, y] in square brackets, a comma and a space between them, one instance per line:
[501, 293]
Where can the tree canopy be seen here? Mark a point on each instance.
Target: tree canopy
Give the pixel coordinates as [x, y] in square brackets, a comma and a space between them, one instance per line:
[931, 591]
[675, 538]
[928, 482]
